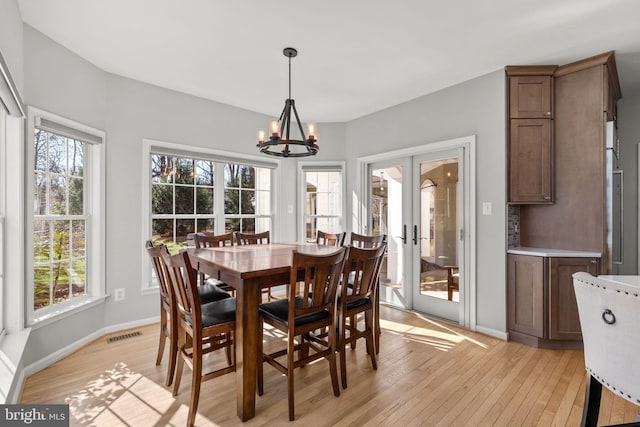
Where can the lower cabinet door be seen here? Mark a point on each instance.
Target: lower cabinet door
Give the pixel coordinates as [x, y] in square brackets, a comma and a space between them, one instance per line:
[564, 322]
[526, 299]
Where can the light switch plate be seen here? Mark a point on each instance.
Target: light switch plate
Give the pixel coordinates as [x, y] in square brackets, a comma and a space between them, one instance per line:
[486, 208]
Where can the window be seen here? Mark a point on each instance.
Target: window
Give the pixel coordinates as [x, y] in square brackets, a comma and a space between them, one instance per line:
[322, 198]
[193, 190]
[66, 174]
[247, 198]
[182, 198]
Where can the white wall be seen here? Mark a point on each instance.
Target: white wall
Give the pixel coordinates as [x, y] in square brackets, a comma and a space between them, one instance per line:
[11, 39]
[59, 81]
[475, 107]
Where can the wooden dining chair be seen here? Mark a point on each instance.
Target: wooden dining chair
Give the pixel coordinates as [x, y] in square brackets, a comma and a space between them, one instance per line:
[361, 271]
[609, 317]
[330, 239]
[168, 322]
[310, 307]
[364, 241]
[202, 328]
[253, 239]
[206, 240]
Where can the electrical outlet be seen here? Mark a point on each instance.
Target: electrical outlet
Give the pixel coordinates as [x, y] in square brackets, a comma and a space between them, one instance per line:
[118, 294]
[486, 208]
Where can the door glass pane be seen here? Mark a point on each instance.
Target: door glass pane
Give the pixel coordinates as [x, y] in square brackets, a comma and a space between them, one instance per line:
[438, 229]
[386, 218]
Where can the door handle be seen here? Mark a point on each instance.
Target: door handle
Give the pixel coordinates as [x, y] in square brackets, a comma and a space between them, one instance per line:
[404, 234]
[415, 234]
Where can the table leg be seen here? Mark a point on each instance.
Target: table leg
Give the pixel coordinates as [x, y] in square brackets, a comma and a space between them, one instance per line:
[248, 298]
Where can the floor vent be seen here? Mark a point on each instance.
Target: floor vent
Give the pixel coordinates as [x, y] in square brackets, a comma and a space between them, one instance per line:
[123, 337]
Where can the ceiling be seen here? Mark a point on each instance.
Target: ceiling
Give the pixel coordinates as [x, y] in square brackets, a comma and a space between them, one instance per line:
[355, 57]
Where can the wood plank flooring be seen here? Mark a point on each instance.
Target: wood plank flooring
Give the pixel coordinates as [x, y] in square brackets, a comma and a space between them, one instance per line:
[429, 373]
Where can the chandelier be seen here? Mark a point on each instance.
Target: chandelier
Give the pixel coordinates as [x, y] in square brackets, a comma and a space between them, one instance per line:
[280, 142]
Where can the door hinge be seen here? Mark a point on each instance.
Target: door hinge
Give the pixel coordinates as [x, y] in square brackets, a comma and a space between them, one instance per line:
[461, 234]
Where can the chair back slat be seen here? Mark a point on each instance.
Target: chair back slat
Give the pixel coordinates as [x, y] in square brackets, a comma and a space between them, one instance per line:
[319, 285]
[364, 241]
[330, 239]
[155, 253]
[183, 280]
[213, 241]
[253, 239]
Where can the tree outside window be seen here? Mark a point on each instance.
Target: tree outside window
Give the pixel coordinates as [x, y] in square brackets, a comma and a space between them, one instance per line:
[59, 238]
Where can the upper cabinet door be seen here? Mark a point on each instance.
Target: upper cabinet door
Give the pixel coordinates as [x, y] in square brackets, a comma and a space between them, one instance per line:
[530, 97]
[530, 161]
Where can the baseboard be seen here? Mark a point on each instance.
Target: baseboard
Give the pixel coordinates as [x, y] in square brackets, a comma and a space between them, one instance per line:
[492, 333]
[14, 396]
[65, 351]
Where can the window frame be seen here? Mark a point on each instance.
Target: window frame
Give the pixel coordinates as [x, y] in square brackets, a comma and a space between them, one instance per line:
[94, 176]
[319, 166]
[151, 146]
[3, 191]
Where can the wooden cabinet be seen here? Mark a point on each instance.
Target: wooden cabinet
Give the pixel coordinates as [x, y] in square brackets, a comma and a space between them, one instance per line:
[542, 308]
[564, 323]
[526, 294]
[530, 135]
[530, 161]
[585, 93]
[530, 97]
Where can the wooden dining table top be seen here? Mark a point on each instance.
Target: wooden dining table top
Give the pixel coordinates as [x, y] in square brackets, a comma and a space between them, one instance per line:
[258, 260]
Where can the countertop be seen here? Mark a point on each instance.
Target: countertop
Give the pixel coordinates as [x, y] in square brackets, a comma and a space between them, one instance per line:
[556, 253]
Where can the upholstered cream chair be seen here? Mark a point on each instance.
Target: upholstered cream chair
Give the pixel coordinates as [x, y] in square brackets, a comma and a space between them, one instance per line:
[610, 321]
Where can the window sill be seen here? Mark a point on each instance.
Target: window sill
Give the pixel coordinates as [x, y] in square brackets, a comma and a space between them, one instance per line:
[12, 347]
[66, 311]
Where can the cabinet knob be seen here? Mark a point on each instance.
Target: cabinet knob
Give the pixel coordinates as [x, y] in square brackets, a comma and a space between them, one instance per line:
[547, 197]
[548, 113]
[593, 261]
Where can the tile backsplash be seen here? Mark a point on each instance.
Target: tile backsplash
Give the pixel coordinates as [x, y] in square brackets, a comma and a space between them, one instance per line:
[513, 226]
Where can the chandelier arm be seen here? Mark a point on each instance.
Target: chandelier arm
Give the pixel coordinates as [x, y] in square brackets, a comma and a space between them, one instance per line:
[288, 121]
[304, 138]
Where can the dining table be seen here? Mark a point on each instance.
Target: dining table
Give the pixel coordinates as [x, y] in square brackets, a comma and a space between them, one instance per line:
[248, 269]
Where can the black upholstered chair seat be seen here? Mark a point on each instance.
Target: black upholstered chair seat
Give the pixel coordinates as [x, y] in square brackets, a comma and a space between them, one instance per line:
[279, 310]
[217, 312]
[210, 293]
[358, 302]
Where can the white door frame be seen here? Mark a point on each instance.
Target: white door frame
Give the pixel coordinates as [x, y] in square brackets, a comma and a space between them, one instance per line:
[361, 214]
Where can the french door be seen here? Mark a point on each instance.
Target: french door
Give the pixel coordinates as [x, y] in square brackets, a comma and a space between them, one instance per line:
[419, 203]
[437, 231]
[390, 214]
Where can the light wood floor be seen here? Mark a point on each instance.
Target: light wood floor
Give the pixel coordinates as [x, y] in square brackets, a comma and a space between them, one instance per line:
[429, 373]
